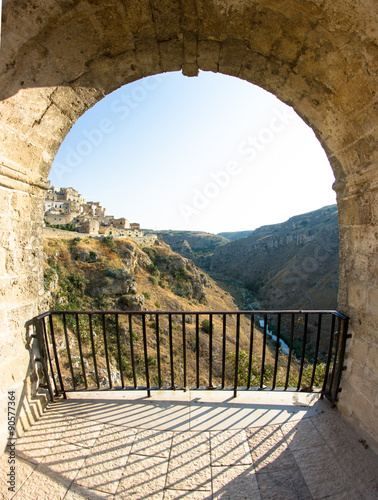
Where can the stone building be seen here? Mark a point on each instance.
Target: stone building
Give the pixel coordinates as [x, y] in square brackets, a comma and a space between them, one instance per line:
[89, 227]
[59, 59]
[66, 205]
[54, 217]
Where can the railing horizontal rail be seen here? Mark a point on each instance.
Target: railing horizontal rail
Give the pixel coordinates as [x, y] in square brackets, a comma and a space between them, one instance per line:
[300, 350]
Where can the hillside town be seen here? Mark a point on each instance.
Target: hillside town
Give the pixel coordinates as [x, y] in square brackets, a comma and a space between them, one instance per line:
[65, 206]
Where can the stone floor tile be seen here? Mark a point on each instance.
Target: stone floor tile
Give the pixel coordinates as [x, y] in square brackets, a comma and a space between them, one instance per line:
[143, 477]
[23, 470]
[41, 486]
[188, 495]
[269, 449]
[230, 448]
[283, 485]
[301, 434]
[323, 475]
[36, 442]
[153, 442]
[351, 494]
[82, 432]
[235, 483]
[63, 461]
[103, 468]
[189, 464]
[346, 445]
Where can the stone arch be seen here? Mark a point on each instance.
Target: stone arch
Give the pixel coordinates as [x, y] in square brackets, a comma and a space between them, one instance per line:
[59, 58]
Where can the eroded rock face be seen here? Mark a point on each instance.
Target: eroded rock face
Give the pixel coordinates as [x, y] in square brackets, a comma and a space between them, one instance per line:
[60, 58]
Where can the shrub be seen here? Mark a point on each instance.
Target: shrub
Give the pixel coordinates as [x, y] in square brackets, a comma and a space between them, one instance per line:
[146, 295]
[154, 280]
[92, 256]
[205, 326]
[119, 274]
[157, 304]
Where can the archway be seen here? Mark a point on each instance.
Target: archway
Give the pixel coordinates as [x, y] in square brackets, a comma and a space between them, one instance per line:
[59, 59]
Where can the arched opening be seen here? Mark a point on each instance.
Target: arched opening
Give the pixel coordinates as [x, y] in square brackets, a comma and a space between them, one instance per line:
[315, 58]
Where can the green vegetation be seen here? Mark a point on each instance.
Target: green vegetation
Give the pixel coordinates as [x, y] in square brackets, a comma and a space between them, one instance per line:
[205, 326]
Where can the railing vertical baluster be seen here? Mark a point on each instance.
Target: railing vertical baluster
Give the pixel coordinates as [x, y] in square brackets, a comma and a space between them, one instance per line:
[158, 349]
[146, 355]
[106, 350]
[329, 357]
[250, 352]
[93, 349]
[69, 352]
[56, 356]
[81, 350]
[119, 352]
[210, 351]
[237, 355]
[132, 351]
[171, 350]
[290, 350]
[263, 352]
[184, 351]
[316, 350]
[277, 350]
[224, 351]
[197, 353]
[303, 350]
[48, 354]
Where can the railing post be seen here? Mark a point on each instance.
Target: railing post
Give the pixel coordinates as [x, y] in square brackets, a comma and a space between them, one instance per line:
[146, 355]
[250, 360]
[237, 355]
[341, 367]
[56, 356]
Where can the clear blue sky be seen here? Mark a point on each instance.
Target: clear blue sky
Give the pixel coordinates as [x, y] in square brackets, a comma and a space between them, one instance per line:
[211, 153]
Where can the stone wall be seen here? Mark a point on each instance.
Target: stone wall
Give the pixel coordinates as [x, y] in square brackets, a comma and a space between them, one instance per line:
[60, 58]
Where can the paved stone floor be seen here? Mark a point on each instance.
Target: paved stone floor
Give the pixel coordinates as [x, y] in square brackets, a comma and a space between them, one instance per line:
[193, 445]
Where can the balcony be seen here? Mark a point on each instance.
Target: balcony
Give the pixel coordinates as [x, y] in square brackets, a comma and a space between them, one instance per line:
[102, 438]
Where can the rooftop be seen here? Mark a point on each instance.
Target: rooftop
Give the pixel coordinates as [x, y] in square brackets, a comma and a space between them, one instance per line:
[195, 445]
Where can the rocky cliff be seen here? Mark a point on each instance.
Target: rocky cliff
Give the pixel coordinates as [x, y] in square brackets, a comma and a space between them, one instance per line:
[289, 265]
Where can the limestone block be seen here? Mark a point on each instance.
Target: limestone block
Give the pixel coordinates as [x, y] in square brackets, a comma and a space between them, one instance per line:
[112, 23]
[24, 109]
[166, 15]
[356, 210]
[17, 150]
[190, 48]
[139, 18]
[75, 35]
[372, 306]
[208, 55]
[148, 56]
[232, 56]
[171, 55]
[188, 20]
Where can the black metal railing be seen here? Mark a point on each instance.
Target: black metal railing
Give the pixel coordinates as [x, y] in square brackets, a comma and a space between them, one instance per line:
[274, 350]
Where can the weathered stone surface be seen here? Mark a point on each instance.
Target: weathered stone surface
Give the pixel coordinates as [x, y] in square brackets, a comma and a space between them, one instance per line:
[235, 483]
[143, 477]
[153, 442]
[230, 448]
[59, 58]
[189, 464]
